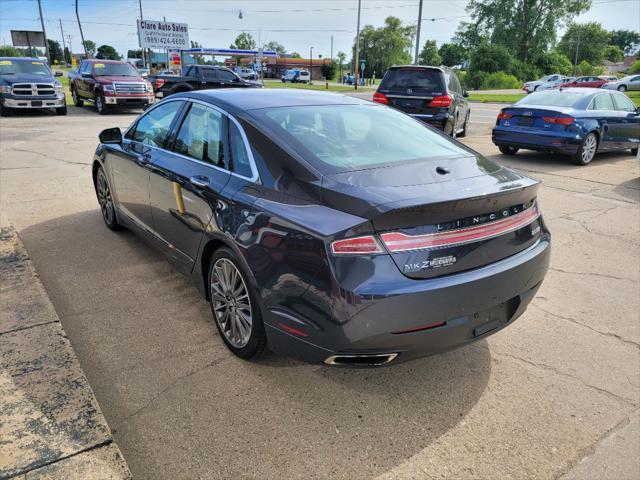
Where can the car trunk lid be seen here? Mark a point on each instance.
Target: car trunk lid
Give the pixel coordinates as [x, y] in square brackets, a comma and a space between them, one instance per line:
[534, 118]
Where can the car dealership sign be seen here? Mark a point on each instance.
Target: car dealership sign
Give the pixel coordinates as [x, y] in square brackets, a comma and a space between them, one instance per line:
[157, 34]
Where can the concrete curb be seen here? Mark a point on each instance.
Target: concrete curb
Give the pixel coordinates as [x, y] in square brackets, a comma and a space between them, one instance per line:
[51, 426]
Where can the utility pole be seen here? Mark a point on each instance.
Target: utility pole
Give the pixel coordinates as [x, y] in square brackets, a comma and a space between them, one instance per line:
[575, 61]
[144, 57]
[356, 67]
[418, 32]
[310, 65]
[81, 34]
[64, 45]
[44, 32]
[332, 47]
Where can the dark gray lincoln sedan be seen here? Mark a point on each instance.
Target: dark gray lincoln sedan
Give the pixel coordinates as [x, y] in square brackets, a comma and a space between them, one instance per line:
[325, 227]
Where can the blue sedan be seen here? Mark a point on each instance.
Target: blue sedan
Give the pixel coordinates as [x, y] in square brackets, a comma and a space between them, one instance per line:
[575, 121]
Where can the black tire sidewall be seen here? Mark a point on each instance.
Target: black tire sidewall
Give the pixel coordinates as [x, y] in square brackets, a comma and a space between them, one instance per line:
[113, 225]
[103, 110]
[257, 339]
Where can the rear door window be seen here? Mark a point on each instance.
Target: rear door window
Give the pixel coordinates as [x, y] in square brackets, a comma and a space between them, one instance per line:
[201, 136]
[623, 104]
[424, 80]
[210, 74]
[602, 102]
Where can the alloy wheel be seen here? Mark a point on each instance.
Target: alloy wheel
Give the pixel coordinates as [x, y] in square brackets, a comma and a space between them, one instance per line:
[231, 303]
[104, 198]
[589, 148]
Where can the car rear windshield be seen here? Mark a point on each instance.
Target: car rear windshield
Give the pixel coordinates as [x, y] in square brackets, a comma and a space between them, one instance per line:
[343, 138]
[33, 67]
[119, 69]
[552, 99]
[423, 79]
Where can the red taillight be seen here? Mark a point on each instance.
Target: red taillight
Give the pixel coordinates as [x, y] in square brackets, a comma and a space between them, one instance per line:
[356, 246]
[401, 242]
[558, 120]
[504, 116]
[441, 101]
[159, 82]
[380, 98]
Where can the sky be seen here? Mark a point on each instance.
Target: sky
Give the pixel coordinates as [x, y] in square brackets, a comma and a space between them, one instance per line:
[297, 24]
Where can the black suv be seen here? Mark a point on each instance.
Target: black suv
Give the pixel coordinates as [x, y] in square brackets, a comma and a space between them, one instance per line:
[430, 94]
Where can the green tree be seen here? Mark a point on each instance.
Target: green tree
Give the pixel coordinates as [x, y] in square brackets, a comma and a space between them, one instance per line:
[10, 51]
[329, 70]
[341, 56]
[635, 68]
[55, 51]
[452, 54]
[244, 41]
[491, 58]
[429, 54]
[199, 59]
[276, 47]
[385, 46]
[107, 52]
[585, 68]
[90, 45]
[552, 62]
[295, 55]
[522, 26]
[613, 53]
[627, 40]
[67, 56]
[588, 39]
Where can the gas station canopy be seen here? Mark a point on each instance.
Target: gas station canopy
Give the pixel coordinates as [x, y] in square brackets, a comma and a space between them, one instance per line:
[230, 52]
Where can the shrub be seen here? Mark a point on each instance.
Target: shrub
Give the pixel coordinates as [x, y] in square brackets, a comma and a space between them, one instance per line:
[491, 58]
[635, 68]
[552, 62]
[585, 68]
[329, 70]
[473, 80]
[524, 71]
[500, 80]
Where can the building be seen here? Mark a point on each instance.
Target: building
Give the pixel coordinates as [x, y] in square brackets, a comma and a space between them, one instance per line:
[275, 67]
[623, 66]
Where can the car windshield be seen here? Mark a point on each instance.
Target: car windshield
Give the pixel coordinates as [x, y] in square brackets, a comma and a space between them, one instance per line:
[555, 98]
[415, 78]
[353, 137]
[119, 69]
[34, 67]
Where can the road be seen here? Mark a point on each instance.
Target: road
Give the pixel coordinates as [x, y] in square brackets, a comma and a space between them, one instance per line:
[556, 392]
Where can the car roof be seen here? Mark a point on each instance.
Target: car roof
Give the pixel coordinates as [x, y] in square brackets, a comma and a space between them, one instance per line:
[243, 99]
[394, 67]
[99, 60]
[23, 59]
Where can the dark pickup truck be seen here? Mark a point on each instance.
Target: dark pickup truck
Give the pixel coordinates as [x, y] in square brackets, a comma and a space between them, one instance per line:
[109, 83]
[28, 83]
[199, 77]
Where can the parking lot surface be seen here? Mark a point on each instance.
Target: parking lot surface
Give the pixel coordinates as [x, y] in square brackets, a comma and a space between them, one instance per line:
[555, 394]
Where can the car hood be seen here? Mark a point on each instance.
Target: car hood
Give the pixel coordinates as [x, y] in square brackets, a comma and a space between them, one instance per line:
[118, 78]
[372, 191]
[26, 78]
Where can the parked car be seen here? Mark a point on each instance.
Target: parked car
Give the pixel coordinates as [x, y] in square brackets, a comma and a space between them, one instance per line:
[630, 82]
[296, 76]
[535, 84]
[430, 94]
[588, 81]
[609, 78]
[199, 77]
[246, 73]
[554, 83]
[325, 226]
[349, 79]
[108, 84]
[28, 83]
[577, 121]
[144, 72]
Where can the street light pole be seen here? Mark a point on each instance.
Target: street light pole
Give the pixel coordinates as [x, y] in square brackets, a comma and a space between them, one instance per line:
[44, 32]
[356, 67]
[144, 57]
[64, 44]
[418, 32]
[310, 65]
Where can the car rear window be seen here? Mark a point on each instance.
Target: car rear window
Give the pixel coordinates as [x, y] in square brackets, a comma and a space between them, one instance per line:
[343, 138]
[422, 79]
[552, 98]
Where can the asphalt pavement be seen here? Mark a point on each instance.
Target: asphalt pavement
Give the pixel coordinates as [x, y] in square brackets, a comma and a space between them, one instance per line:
[555, 394]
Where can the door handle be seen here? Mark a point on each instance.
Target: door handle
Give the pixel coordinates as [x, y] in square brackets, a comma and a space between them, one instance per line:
[143, 159]
[199, 181]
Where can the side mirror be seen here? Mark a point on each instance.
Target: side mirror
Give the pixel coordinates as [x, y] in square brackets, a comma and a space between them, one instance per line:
[57, 74]
[111, 136]
[465, 93]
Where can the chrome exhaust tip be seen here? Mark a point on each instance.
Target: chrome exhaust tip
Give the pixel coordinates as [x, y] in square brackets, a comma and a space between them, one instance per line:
[361, 360]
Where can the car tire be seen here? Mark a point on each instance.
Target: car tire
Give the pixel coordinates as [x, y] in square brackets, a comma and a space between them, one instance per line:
[4, 111]
[465, 126]
[101, 108]
[508, 149]
[622, 88]
[105, 199]
[535, 89]
[634, 151]
[239, 321]
[77, 101]
[61, 110]
[587, 150]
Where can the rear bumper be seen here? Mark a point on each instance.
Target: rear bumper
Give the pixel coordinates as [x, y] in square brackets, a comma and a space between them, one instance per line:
[35, 102]
[568, 143]
[465, 307]
[438, 120]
